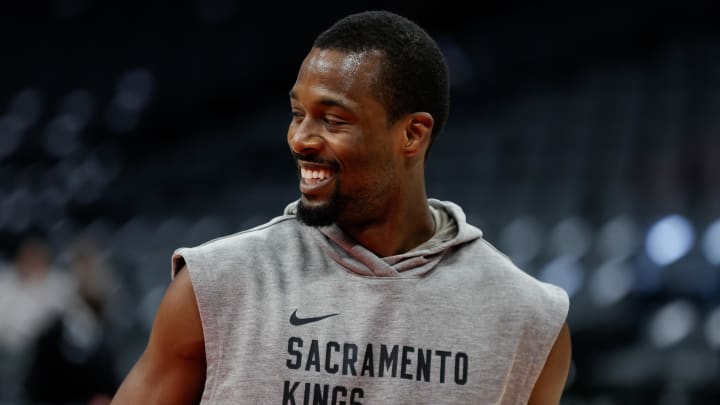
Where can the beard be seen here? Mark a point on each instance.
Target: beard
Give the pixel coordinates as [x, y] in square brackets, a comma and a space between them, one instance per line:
[322, 215]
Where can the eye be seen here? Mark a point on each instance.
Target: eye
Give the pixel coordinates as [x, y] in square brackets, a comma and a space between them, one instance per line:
[332, 122]
[296, 116]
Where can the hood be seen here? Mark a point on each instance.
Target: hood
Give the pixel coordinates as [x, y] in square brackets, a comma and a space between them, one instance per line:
[415, 263]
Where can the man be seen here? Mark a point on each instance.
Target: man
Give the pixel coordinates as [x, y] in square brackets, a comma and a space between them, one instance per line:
[365, 291]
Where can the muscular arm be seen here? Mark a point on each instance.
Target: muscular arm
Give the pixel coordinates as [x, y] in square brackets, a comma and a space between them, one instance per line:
[549, 386]
[172, 368]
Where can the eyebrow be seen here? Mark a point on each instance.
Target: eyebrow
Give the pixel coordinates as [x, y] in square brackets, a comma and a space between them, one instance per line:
[326, 101]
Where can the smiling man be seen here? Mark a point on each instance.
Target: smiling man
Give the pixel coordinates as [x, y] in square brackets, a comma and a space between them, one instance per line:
[365, 291]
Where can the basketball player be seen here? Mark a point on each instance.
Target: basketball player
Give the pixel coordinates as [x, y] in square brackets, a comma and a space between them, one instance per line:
[364, 291]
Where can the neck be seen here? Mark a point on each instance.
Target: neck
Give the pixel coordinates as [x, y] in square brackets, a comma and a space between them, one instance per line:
[403, 227]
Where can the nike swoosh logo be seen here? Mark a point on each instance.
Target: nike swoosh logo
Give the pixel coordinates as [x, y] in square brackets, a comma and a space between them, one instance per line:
[297, 321]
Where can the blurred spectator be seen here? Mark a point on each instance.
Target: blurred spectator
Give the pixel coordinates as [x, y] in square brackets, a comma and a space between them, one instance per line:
[73, 362]
[91, 273]
[32, 295]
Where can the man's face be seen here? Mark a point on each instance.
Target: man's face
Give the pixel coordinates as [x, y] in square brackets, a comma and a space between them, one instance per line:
[347, 153]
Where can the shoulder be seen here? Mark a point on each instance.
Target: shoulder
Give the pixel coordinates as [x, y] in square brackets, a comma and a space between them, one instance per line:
[237, 246]
[276, 227]
[521, 290]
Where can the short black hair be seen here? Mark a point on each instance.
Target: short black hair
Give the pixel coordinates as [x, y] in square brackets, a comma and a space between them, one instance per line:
[414, 75]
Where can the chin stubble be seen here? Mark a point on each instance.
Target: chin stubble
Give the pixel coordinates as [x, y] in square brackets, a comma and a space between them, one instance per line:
[323, 215]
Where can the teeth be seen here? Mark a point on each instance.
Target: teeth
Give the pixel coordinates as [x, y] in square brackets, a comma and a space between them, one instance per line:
[314, 174]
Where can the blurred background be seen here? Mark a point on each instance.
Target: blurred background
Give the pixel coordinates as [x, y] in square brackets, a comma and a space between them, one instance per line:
[583, 140]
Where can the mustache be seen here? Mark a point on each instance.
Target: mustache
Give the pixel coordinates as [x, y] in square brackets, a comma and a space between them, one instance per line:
[315, 159]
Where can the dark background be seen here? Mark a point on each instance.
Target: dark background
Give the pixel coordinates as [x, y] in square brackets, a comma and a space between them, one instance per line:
[584, 140]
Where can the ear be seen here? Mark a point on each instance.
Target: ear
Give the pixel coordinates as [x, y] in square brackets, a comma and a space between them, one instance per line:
[417, 133]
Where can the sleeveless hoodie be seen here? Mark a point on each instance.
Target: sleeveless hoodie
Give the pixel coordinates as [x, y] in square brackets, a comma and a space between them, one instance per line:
[293, 314]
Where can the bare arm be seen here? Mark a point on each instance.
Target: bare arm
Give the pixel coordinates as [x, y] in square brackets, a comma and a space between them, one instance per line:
[172, 368]
[549, 386]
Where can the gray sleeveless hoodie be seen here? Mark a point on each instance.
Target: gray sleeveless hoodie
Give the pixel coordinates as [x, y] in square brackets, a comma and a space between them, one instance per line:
[299, 315]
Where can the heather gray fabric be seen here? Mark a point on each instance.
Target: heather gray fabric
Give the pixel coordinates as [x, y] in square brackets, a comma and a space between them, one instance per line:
[300, 315]
[445, 229]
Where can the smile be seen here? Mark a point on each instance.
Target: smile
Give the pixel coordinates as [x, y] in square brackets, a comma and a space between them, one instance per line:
[316, 179]
[315, 175]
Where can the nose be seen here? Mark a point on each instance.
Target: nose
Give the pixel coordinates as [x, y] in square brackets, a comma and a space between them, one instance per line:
[303, 137]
